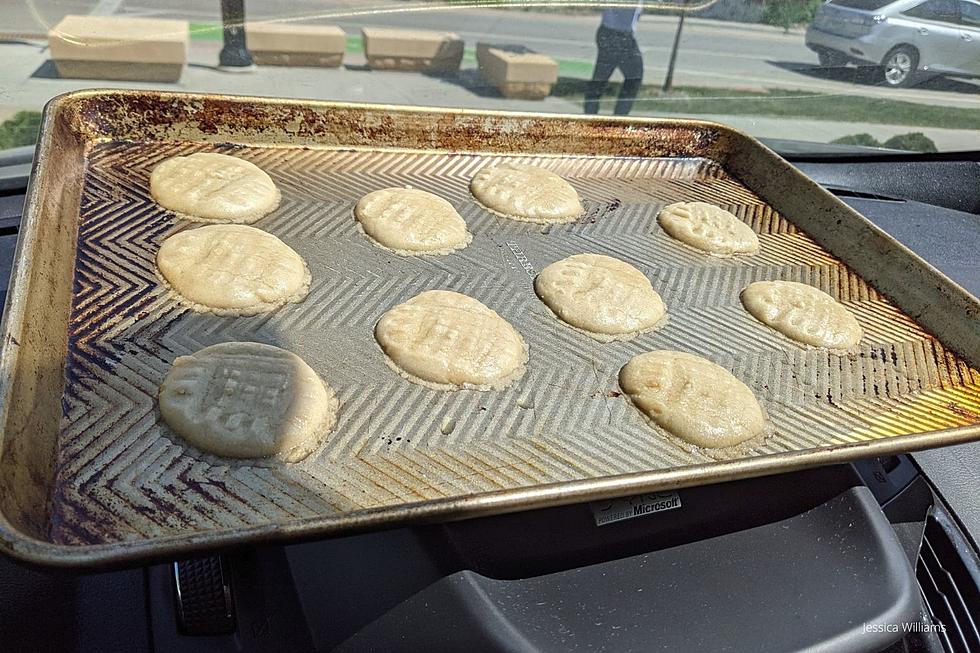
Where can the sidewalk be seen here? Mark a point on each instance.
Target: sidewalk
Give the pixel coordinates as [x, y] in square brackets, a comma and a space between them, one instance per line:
[29, 82]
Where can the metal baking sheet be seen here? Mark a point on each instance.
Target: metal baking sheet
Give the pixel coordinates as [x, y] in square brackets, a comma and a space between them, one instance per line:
[91, 474]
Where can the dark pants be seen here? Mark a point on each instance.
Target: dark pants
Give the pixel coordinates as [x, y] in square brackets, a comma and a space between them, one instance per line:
[616, 50]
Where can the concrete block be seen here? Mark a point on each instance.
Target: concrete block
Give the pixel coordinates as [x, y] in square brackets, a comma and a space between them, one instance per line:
[412, 49]
[290, 44]
[516, 71]
[119, 48]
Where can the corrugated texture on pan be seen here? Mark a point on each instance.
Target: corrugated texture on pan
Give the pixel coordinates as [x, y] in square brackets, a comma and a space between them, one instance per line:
[121, 475]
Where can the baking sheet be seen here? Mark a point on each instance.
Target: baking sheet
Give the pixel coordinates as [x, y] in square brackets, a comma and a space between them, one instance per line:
[401, 452]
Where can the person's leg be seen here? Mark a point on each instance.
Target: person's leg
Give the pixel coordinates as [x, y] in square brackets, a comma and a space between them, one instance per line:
[632, 67]
[605, 64]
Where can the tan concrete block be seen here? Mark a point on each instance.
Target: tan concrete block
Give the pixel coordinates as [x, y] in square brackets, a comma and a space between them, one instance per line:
[119, 39]
[525, 90]
[290, 44]
[409, 49]
[123, 71]
[305, 59]
[516, 71]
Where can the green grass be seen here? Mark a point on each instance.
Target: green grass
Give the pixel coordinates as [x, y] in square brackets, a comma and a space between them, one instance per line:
[781, 103]
[20, 130]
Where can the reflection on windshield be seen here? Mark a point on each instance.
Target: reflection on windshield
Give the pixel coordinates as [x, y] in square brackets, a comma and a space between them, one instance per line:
[900, 75]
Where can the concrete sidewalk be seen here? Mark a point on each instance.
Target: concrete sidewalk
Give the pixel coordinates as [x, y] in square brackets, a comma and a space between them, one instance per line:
[28, 81]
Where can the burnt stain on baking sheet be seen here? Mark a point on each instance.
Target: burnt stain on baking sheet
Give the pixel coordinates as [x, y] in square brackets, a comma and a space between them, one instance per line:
[136, 115]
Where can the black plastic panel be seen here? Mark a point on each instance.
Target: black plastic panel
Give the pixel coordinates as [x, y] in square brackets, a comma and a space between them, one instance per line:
[807, 583]
[946, 184]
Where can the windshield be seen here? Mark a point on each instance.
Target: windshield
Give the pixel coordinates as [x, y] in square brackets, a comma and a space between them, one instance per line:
[794, 70]
[864, 5]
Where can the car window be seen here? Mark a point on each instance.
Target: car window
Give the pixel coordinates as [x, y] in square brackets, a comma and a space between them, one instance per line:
[970, 13]
[942, 10]
[809, 71]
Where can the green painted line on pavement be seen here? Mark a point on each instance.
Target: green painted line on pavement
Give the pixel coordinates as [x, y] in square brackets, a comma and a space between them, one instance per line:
[574, 68]
[206, 32]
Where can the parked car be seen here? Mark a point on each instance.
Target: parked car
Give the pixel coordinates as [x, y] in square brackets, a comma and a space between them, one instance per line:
[904, 39]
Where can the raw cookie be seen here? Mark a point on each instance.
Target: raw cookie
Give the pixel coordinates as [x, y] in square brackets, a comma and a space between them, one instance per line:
[409, 221]
[708, 228]
[692, 398]
[233, 269]
[210, 187]
[607, 298]
[248, 400]
[448, 341]
[803, 313]
[526, 192]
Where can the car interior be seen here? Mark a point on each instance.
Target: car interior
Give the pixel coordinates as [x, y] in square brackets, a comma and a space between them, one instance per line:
[533, 513]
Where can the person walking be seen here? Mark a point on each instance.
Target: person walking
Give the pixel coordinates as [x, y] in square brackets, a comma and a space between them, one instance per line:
[616, 40]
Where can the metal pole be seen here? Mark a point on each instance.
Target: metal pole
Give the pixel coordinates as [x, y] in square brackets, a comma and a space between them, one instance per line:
[669, 79]
[235, 52]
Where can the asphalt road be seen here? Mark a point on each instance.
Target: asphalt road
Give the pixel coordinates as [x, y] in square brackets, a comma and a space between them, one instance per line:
[713, 53]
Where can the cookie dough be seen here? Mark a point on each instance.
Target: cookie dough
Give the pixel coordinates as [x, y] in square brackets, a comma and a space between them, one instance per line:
[803, 313]
[409, 221]
[693, 399]
[607, 298]
[232, 269]
[447, 341]
[210, 187]
[526, 192]
[248, 400]
[708, 228]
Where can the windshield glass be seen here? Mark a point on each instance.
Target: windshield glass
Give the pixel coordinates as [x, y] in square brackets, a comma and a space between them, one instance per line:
[865, 5]
[795, 70]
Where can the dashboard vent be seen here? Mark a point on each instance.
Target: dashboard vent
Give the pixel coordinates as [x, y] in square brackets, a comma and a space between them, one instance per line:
[847, 192]
[949, 578]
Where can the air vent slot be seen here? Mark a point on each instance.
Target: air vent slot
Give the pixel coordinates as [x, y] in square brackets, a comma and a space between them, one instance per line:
[847, 192]
[949, 584]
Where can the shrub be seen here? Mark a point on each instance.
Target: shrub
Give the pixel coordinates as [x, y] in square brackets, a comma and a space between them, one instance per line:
[789, 13]
[913, 142]
[864, 140]
[20, 130]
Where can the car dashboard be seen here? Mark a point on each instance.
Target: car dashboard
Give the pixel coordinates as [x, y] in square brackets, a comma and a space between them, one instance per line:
[880, 555]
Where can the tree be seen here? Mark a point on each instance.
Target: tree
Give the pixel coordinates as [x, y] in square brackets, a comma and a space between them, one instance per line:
[789, 13]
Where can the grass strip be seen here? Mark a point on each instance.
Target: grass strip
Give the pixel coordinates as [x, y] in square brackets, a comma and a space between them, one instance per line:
[783, 103]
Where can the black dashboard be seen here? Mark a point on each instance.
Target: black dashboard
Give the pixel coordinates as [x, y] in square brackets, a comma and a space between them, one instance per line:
[881, 555]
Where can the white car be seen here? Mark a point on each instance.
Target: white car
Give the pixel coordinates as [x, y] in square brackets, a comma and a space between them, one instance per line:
[940, 37]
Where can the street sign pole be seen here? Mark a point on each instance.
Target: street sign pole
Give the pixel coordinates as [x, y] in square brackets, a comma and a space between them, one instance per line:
[669, 79]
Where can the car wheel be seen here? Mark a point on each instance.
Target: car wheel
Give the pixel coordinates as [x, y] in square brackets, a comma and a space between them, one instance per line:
[831, 59]
[898, 66]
